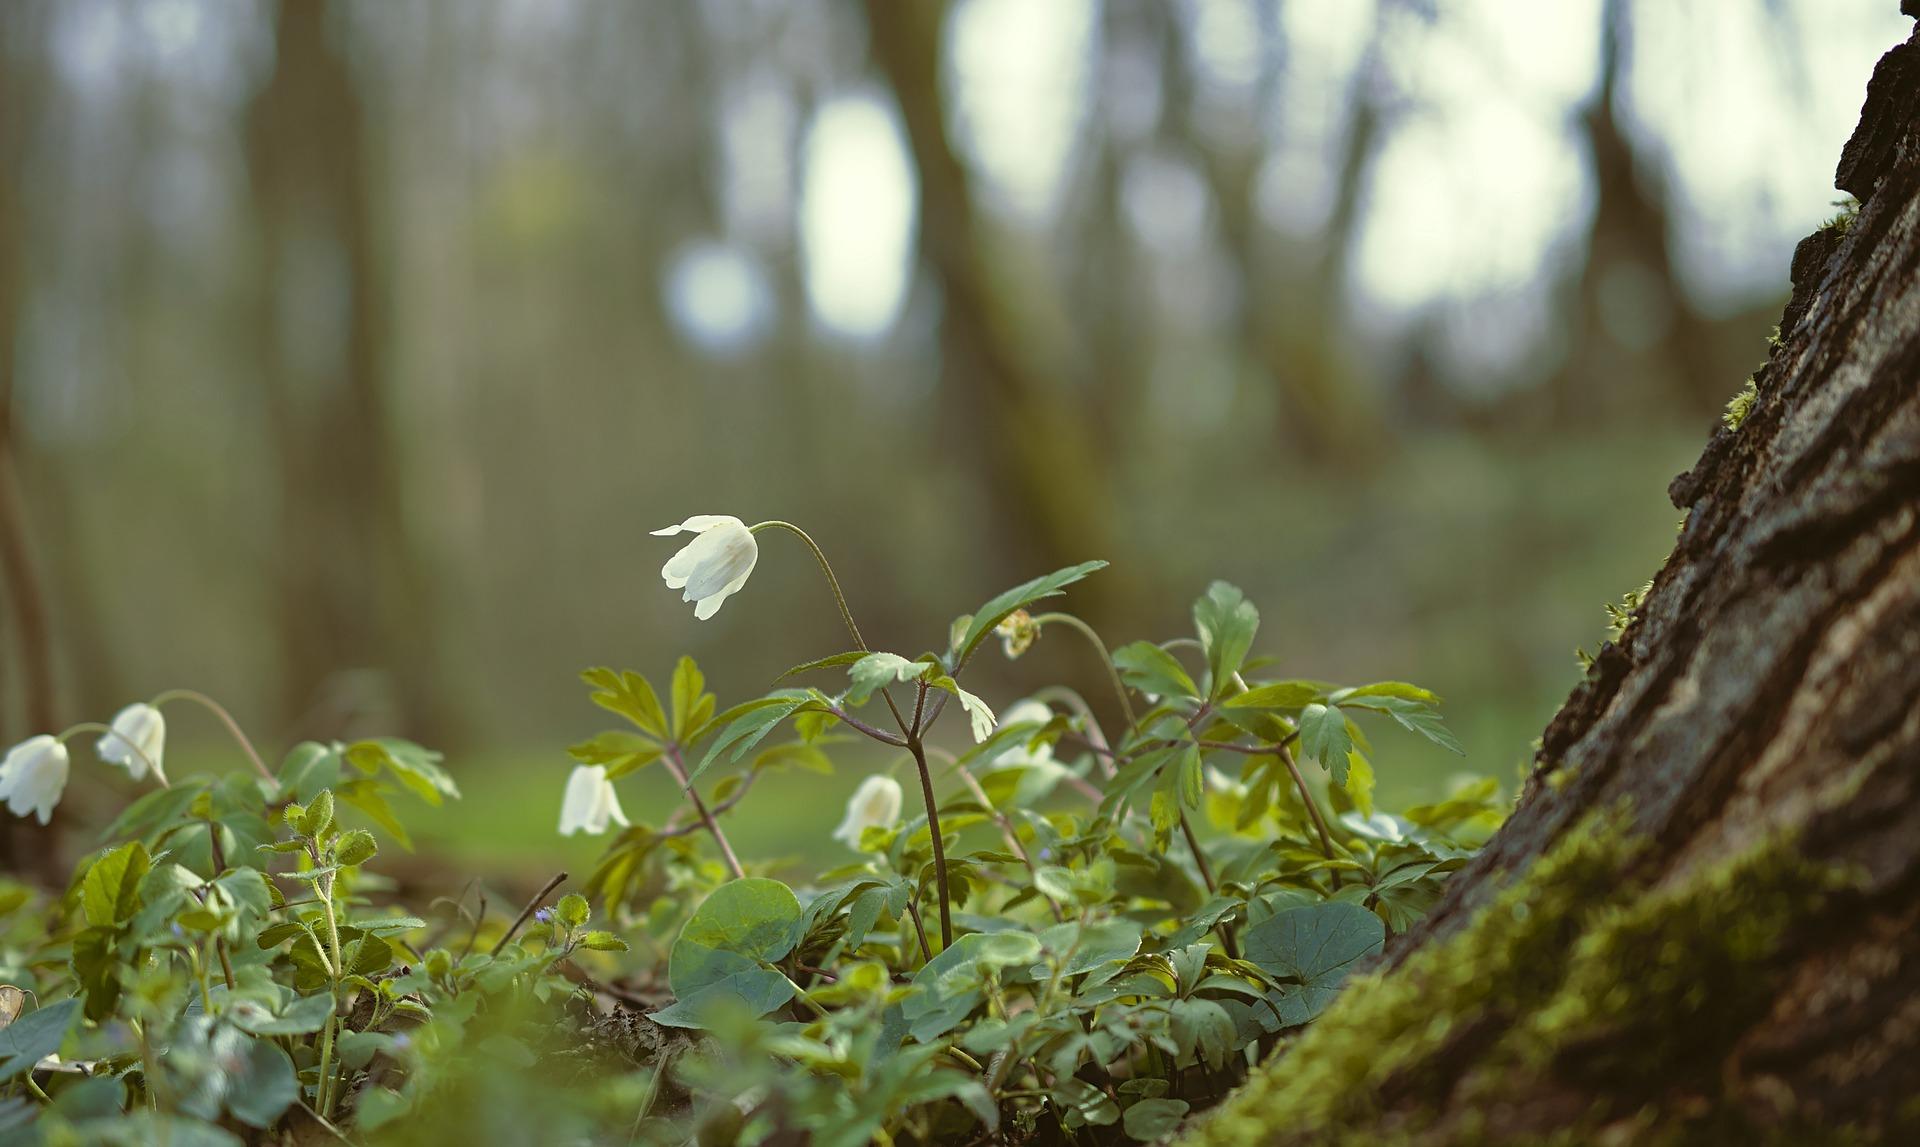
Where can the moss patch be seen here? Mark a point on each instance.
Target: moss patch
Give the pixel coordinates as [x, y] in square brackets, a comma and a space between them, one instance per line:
[1572, 982]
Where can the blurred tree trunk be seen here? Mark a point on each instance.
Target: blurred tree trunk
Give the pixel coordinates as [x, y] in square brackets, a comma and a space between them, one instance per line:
[1636, 335]
[1047, 481]
[1702, 922]
[25, 846]
[351, 597]
[1292, 312]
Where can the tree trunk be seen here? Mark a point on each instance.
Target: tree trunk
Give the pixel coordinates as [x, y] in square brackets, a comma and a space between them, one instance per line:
[1699, 925]
[351, 597]
[1046, 479]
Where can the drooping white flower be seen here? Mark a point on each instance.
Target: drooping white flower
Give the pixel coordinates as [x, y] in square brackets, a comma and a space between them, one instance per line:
[1026, 712]
[1379, 826]
[136, 741]
[590, 803]
[875, 803]
[1039, 772]
[33, 775]
[714, 565]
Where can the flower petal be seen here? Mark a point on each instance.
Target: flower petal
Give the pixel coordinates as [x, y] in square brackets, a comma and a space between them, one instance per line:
[698, 524]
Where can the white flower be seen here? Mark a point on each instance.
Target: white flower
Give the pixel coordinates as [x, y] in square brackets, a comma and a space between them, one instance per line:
[590, 802]
[876, 803]
[1027, 712]
[137, 739]
[714, 565]
[33, 776]
[1379, 826]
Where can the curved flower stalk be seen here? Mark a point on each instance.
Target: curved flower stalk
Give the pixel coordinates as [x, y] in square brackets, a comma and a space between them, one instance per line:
[34, 775]
[136, 740]
[590, 803]
[875, 804]
[714, 565]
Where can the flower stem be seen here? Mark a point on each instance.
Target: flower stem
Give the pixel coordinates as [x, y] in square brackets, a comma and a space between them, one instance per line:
[679, 770]
[323, 1097]
[226, 718]
[939, 849]
[839, 598]
[1106, 658]
[1313, 806]
[96, 727]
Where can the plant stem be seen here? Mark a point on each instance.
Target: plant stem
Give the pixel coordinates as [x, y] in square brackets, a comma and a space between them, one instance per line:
[839, 598]
[1206, 877]
[323, 1098]
[96, 727]
[1006, 831]
[226, 718]
[1313, 806]
[1106, 659]
[919, 929]
[679, 770]
[939, 849]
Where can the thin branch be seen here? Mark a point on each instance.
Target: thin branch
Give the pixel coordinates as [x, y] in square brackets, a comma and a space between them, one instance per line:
[532, 905]
[679, 770]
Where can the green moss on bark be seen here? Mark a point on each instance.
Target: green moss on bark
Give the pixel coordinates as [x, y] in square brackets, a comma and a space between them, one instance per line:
[1572, 982]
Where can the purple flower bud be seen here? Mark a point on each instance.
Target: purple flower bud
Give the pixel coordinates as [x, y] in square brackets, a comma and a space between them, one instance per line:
[545, 916]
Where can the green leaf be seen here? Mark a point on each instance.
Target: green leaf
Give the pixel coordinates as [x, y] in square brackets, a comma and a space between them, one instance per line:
[722, 952]
[1151, 669]
[1226, 622]
[1019, 597]
[603, 942]
[305, 1014]
[155, 812]
[111, 890]
[979, 715]
[1152, 1119]
[364, 793]
[630, 695]
[35, 1036]
[689, 688]
[307, 768]
[1360, 781]
[1279, 695]
[1324, 737]
[618, 751]
[1396, 689]
[834, 662]
[1311, 949]
[414, 766]
[755, 720]
[1410, 713]
[877, 671]
[572, 910]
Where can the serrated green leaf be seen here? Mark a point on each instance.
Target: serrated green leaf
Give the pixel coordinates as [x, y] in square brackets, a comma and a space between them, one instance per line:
[1279, 695]
[877, 671]
[1226, 622]
[689, 686]
[979, 716]
[111, 890]
[1151, 669]
[1324, 737]
[991, 614]
[834, 662]
[630, 695]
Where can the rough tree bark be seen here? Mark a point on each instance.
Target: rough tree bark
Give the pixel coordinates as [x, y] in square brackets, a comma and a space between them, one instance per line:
[1699, 925]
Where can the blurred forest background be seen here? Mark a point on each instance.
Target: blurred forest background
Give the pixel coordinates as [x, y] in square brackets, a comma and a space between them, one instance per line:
[349, 349]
